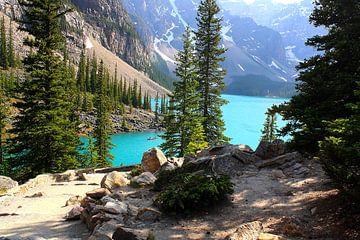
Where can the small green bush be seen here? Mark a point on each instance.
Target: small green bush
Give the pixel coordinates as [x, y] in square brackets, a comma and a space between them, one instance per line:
[136, 171]
[187, 192]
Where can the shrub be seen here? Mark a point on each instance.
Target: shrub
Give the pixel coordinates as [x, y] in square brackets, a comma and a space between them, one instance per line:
[136, 171]
[188, 192]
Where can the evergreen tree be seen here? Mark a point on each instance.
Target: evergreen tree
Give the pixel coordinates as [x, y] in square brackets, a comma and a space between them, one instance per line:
[210, 74]
[103, 124]
[157, 108]
[196, 140]
[4, 107]
[171, 139]
[81, 74]
[91, 154]
[88, 74]
[45, 138]
[326, 81]
[187, 122]
[3, 48]
[93, 75]
[269, 131]
[11, 52]
[340, 150]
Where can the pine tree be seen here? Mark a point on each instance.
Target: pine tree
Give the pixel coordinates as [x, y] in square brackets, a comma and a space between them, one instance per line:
[81, 74]
[93, 75]
[269, 131]
[91, 154]
[210, 74]
[103, 124]
[88, 74]
[326, 81]
[3, 45]
[171, 142]
[4, 107]
[157, 108]
[187, 121]
[11, 52]
[45, 137]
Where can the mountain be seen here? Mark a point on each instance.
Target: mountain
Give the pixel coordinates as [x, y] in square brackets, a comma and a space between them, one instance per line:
[105, 28]
[252, 49]
[290, 20]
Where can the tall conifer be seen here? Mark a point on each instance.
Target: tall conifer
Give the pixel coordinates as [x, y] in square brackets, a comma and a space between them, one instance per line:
[45, 137]
[103, 125]
[210, 74]
[185, 105]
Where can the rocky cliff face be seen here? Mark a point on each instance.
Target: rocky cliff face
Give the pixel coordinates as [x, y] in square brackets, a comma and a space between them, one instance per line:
[108, 22]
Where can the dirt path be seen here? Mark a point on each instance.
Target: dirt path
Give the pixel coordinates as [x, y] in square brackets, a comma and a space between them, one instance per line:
[44, 216]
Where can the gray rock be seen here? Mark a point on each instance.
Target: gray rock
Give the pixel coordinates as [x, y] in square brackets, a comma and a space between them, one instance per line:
[122, 233]
[148, 215]
[6, 184]
[280, 160]
[144, 179]
[116, 208]
[267, 150]
[74, 214]
[224, 149]
[247, 231]
[152, 160]
[104, 231]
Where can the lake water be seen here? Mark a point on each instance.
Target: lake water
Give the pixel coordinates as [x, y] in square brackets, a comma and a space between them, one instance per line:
[244, 117]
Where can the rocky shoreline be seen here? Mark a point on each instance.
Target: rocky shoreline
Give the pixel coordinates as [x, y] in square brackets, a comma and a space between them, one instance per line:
[138, 120]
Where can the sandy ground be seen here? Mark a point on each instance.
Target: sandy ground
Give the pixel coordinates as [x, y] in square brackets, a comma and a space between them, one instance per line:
[44, 216]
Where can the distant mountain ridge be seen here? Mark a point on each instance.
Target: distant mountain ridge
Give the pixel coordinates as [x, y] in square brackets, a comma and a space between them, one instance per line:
[252, 49]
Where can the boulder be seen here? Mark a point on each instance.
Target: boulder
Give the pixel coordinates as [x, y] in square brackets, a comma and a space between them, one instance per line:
[232, 163]
[116, 207]
[114, 180]
[152, 160]
[74, 214]
[6, 184]
[148, 215]
[74, 200]
[122, 233]
[224, 149]
[98, 193]
[277, 174]
[287, 160]
[267, 150]
[247, 231]
[104, 231]
[144, 179]
[166, 167]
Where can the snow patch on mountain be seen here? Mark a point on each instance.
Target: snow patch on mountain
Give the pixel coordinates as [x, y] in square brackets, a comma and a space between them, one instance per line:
[224, 33]
[88, 43]
[290, 55]
[176, 12]
[157, 42]
[241, 67]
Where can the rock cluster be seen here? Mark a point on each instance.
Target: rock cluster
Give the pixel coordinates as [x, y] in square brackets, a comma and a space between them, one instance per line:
[122, 208]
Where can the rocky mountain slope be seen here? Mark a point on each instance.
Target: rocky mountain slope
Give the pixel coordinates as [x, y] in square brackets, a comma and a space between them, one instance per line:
[104, 28]
[252, 49]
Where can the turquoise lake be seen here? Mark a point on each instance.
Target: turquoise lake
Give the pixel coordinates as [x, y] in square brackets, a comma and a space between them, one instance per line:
[244, 117]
